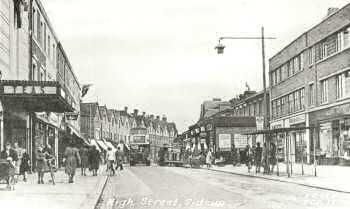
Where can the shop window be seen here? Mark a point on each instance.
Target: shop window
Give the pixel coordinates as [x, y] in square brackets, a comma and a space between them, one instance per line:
[346, 39]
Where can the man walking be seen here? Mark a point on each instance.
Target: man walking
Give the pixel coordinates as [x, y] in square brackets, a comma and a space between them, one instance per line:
[119, 158]
[258, 156]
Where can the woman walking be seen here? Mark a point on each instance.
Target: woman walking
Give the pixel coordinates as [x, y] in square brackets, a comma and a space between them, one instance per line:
[94, 160]
[209, 158]
[72, 159]
[41, 164]
[84, 155]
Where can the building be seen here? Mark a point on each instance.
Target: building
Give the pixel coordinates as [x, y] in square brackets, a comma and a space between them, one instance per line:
[310, 88]
[209, 108]
[33, 98]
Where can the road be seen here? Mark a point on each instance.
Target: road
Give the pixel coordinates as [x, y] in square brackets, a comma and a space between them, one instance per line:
[171, 187]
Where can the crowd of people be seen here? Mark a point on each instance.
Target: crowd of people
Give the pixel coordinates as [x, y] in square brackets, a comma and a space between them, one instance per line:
[86, 157]
[258, 156]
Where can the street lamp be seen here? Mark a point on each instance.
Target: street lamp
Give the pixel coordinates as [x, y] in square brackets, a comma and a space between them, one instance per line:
[220, 50]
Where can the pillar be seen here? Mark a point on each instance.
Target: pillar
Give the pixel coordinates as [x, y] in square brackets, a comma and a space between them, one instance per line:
[1, 127]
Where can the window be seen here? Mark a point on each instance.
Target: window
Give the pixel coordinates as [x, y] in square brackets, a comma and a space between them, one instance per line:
[311, 94]
[278, 76]
[302, 99]
[260, 108]
[340, 86]
[273, 78]
[44, 37]
[33, 22]
[278, 108]
[291, 103]
[49, 46]
[346, 40]
[283, 106]
[38, 30]
[297, 100]
[324, 91]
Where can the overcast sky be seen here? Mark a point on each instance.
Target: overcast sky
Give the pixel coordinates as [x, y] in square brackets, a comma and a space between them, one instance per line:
[158, 55]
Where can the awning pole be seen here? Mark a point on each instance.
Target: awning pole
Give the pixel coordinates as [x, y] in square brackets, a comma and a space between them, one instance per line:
[315, 161]
[278, 170]
[302, 153]
[291, 156]
[287, 153]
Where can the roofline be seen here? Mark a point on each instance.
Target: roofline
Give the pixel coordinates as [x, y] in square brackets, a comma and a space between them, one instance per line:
[43, 11]
[307, 31]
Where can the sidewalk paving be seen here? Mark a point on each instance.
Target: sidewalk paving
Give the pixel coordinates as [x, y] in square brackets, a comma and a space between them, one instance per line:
[335, 178]
[82, 194]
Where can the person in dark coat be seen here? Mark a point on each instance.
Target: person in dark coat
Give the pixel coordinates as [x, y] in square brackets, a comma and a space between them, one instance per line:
[94, 160]
[9, 153]
[72, 160]
[258, 157]
[25, 165]
[249, 156]
[84, 157]
[41, 163]
[119, 159]
[273, 159]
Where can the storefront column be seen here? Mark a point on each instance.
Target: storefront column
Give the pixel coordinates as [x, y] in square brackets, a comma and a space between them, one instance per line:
[307, 139]
[56, 146]
[1, 127]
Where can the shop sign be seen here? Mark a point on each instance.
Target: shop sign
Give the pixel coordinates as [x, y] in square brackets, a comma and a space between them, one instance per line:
[29, 89]
[297, 119]
[240, 140]
[224, 140]
[259, 123]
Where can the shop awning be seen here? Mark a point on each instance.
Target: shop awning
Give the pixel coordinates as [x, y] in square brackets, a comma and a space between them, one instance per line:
[35, 96]
[111, 146]
[278, 130]
[76, 133]
[102, 144]
[94, 143]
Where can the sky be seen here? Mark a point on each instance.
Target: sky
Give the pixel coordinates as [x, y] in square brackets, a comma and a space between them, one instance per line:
[158, 56]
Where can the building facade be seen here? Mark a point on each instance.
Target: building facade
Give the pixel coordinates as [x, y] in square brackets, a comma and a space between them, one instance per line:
[309, 88]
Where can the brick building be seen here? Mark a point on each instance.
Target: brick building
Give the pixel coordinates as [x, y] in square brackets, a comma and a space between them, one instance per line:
[310, 88]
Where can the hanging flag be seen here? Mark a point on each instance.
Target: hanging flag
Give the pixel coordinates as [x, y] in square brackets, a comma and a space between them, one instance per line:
[85, 89]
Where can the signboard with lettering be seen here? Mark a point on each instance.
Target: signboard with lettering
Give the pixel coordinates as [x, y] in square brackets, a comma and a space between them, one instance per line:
[240, 140]
[259, 123]
[225, 141]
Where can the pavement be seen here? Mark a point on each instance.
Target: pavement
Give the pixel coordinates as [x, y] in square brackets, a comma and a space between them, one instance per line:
[335, 178]
[142, 187]
[82, 194]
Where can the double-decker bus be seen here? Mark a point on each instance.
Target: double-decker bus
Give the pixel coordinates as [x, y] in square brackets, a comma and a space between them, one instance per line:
[139, 148]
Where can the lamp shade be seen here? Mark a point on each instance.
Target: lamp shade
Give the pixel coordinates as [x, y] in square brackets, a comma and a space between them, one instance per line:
[220, 48]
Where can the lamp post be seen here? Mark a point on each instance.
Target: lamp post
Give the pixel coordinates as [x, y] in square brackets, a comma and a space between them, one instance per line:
[220, 50]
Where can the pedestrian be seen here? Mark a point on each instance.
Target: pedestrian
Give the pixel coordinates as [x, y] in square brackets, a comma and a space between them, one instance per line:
[41, 164]
[273, 159]
[94, 160]
[11, 156]
[119, 159]
[110, 158]
[234, 155]
[265, 159]
[84, 157]
[25, 165]
[208, 159]
[19, 152]
[72, 159]
[249, 157]
[258, 153]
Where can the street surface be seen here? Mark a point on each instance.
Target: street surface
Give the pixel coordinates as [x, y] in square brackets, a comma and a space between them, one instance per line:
[171, 187]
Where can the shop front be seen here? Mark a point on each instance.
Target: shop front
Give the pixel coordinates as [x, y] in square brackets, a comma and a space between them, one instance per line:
[26, 114]
[333, 135]
[299, 146]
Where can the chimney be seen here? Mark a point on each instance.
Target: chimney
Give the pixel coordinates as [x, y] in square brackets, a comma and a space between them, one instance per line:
[331, 11]
[158, 117]
[126, 109]
[164, 118]
[143, 114]
[136, 111]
